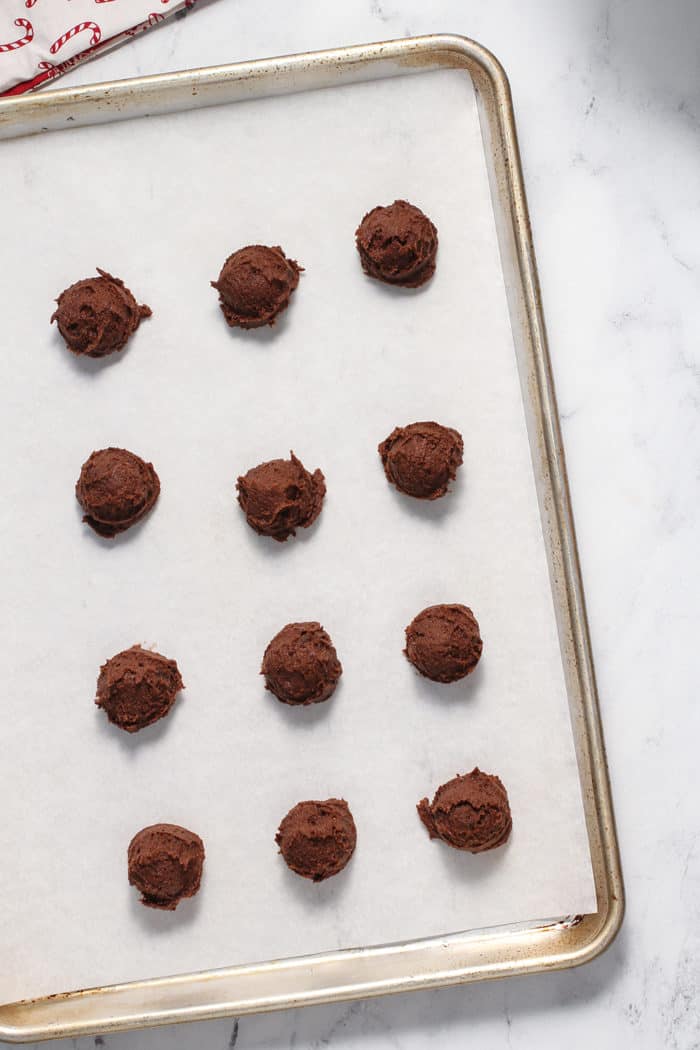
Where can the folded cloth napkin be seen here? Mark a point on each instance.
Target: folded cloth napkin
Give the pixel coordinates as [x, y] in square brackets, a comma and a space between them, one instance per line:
[40, 39]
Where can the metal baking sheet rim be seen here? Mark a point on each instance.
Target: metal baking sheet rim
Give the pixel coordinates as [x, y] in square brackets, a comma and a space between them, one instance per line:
[455, 958]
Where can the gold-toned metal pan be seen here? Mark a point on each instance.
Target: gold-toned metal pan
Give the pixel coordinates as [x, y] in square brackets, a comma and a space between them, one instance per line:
[460, 957]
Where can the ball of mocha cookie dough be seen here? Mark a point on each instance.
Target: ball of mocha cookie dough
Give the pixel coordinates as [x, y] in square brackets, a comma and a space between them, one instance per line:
[397, 244]
[443, 642]
[97, 316]
[255, 285]
[317, 839]
[137, 687]
[165, 865]
[422, 459]
[281, 496]
[301, 665]
[469, 812]
[116, 489]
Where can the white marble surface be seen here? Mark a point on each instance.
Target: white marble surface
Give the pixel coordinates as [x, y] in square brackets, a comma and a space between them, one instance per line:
[608, 104]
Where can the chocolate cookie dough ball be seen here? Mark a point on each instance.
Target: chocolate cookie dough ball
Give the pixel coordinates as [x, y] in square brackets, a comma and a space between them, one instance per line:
[255, 285]
[281, 496]
[137, 687]
[422, 458]
[97, 316]
[317, 839]
[165, 865]
[443, 642]
[116, 489]
[397, 244]
[470, 812]
[301, 665]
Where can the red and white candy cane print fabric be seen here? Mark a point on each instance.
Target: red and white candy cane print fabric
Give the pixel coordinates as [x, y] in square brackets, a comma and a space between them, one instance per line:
[40, 39]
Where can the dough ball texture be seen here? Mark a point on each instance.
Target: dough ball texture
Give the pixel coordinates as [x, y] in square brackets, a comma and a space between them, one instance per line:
[317, 839]
[397, 244]
[469, 812]
[443, 642]
[281, 496]
[165, 865]
[116, 488]
[421, 459]
[301, 665]
[137, 687]
[97, 316]
[255, 285]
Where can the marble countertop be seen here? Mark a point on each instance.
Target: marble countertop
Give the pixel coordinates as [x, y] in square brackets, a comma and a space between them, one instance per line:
[607, 100]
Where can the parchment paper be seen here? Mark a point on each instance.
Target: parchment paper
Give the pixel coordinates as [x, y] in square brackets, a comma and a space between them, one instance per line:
[161, 203]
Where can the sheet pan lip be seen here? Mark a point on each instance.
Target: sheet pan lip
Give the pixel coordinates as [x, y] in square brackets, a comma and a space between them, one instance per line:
[600, 938]
[53, 103]
[559, 947]
[354, 53]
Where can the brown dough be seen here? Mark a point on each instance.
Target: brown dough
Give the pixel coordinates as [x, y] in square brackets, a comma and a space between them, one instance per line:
[443, 642]
[116, 489]
[165, 865]
[422, 458]
[397, 244]
[97, 316]
[281, 496]
[301, 665]
[317, 839]
[469, 812]
[137, 687]
[255, 285]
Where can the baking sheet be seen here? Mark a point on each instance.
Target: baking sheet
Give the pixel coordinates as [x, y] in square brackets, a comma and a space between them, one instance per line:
[161, 203]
